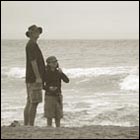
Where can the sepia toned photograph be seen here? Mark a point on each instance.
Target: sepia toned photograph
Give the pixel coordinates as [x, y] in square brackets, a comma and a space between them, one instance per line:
[69, 69]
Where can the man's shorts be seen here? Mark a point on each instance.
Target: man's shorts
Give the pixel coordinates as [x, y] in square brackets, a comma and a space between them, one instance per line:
[34, 93]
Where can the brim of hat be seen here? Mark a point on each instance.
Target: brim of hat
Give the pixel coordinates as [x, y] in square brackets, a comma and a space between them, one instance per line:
[40, 30]
[28, 33]
[49, 60]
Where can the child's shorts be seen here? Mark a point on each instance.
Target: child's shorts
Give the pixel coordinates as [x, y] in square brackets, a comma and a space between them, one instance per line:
[34, 93]
[53, 107]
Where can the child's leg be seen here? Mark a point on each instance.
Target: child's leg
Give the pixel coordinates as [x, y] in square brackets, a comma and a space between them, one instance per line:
[57, 122]
[49, 121]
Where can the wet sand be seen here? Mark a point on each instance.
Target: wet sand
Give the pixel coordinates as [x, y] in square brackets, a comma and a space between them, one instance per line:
[86, 132]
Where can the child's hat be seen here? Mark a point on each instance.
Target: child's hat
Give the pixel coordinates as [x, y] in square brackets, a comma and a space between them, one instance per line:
[50, 59]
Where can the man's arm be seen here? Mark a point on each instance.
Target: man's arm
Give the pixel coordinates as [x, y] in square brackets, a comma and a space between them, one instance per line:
[32, 56]
[36, 71]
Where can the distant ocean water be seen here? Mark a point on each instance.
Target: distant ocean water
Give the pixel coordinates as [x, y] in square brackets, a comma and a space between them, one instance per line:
[104, 81]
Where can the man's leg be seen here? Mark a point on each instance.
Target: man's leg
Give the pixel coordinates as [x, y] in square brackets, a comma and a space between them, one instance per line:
[32, 113]
[27, 107]
[49, 121]
[57, 122]
[26, 113]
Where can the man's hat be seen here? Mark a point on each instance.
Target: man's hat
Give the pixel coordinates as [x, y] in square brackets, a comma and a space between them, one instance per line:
[32, 29]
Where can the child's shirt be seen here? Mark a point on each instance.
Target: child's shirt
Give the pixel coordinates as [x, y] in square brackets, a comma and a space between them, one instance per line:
[53, 79]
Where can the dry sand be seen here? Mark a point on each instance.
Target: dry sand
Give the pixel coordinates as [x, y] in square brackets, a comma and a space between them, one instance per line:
[86, 132]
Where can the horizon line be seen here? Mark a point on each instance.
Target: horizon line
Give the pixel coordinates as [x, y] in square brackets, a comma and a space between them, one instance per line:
[72, 39]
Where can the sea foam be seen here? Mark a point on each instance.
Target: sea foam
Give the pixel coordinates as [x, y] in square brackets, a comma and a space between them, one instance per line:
[19, 72]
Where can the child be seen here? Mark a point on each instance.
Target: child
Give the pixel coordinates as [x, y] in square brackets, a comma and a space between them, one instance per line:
[53, 98]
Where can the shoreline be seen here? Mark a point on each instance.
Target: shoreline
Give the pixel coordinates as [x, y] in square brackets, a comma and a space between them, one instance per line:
[85, 132]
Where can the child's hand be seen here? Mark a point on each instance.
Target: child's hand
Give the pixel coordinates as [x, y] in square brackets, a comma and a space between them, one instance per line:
[60, 70]
[52, 88]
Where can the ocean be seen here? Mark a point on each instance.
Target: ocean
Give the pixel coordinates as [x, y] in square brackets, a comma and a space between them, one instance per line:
[103, 88]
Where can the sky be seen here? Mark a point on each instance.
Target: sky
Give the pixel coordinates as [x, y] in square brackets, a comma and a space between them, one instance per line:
[71, 19]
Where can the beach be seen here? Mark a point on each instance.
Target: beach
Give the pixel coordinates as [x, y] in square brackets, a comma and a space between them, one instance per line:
[101, 100]
[85, 132]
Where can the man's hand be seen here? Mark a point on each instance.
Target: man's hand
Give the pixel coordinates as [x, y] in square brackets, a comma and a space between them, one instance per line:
[38, 80]
[60, 70]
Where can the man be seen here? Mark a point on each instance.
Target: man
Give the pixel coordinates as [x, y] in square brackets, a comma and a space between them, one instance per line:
[35, 67]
